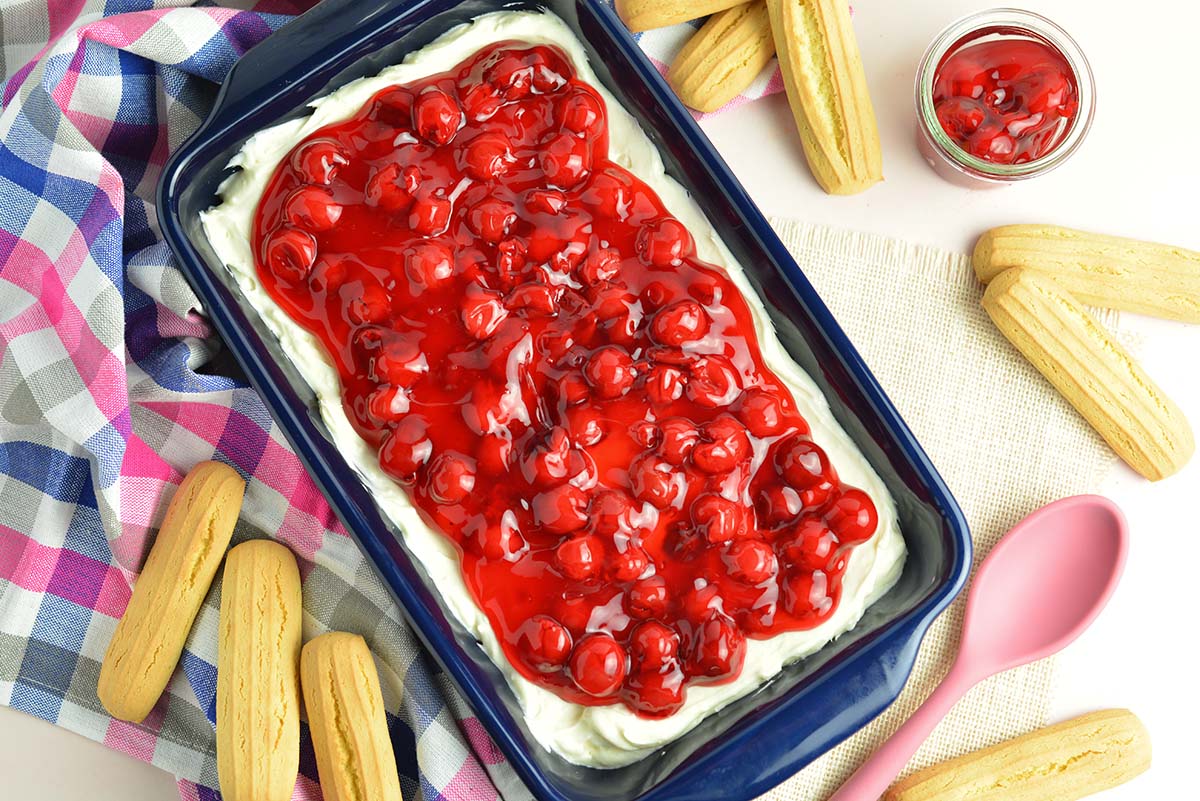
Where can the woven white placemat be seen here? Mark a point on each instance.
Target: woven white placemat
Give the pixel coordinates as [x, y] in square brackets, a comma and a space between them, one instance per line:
[1002, 438]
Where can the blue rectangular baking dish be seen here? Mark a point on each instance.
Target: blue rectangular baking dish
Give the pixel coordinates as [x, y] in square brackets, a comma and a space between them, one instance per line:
[754, 743]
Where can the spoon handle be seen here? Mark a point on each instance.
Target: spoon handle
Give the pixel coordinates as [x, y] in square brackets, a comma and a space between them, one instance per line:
[875, 775]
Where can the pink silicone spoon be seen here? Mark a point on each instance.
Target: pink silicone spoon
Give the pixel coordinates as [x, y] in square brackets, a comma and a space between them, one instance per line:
[1039, 588]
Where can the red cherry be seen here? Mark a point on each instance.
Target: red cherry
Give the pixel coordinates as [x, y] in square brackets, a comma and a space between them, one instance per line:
[598, 665]
[510, 258]
[391, 187]
[393, 108]
[803, 463]
[761, 411]
[778, 503]
[312, 208]
[656, 695]
[451, 477]
[436, 115]
[960, 116]
[684, 321]
[482, 311]
[328, 274]
[502, 542]
[561, 509]
[429, 215]
[511, 72]
[645, 433]
[664, 242]
[366, 301]
[713, 382]
[647, 598]
[724, 445]
[701, 603]
[579, 557]
[809, 544]
[629, 564]
[538, 300]
[546, 463]
[491, 219]
[665, 384]
[806, 595]
[388, 404]
[610, 510]
[319, 160]
[406, 448]
[719, 649]
[487, 156]
[653, 645]
[652, 480]
[853, 517]
[427, 264]
[480, 101]
[581, 112]
[565, 161]
[750, 561]
[398, 361]
[718, 518]
[609, 371]
[679, 437]
[544, 643]
[600, 266]
[290, 254]
[545, 201]
[608, 194]
[586, 425]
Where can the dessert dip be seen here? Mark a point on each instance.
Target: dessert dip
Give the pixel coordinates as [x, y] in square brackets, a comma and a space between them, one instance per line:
[558, 383]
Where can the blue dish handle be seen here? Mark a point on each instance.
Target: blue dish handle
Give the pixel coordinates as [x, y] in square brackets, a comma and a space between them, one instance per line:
[788, 741]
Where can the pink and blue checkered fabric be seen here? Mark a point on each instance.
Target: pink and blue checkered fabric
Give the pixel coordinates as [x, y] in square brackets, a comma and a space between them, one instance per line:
[112, 385]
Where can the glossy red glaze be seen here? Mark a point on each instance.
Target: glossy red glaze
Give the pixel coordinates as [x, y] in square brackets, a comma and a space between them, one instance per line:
[565, 390]
[1006, 101]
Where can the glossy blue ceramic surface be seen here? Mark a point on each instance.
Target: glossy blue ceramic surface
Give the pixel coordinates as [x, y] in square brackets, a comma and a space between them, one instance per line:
[754, 743]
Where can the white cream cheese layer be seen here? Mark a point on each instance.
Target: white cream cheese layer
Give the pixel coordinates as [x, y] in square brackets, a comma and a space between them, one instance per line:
[599, 736]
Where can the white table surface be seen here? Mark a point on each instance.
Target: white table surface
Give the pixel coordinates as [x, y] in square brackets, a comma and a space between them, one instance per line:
[1138, 174]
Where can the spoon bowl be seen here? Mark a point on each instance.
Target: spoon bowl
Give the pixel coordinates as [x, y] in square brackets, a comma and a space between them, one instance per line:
[1039, 588]
[1043, 584]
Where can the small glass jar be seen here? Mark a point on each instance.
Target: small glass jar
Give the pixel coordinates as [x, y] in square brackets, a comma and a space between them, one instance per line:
[950, 160]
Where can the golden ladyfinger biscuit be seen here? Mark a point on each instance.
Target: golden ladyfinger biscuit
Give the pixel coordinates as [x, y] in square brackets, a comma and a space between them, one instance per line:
[1063, 762]
[1108, 271]
[644, 15]
[345, 714]
[167, 595]
[723, 57]
[258, 673]
[827, 89]
[1092, 371]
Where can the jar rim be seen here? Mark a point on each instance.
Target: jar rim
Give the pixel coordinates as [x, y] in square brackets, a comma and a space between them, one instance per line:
[1009, 21]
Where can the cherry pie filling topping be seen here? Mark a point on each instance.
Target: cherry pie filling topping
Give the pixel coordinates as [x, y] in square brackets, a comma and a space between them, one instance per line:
[565, 390]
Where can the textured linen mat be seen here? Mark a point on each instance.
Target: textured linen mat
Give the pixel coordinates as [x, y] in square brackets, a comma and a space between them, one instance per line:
[999, 434]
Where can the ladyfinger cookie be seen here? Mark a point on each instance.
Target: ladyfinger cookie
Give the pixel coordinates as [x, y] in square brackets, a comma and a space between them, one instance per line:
[345, 714]
[723, 57]
[1091, 370]
[1063, 762]
[167, 595]
[258, 673]
[645, 15]
[827, 89]
[1108, 271]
